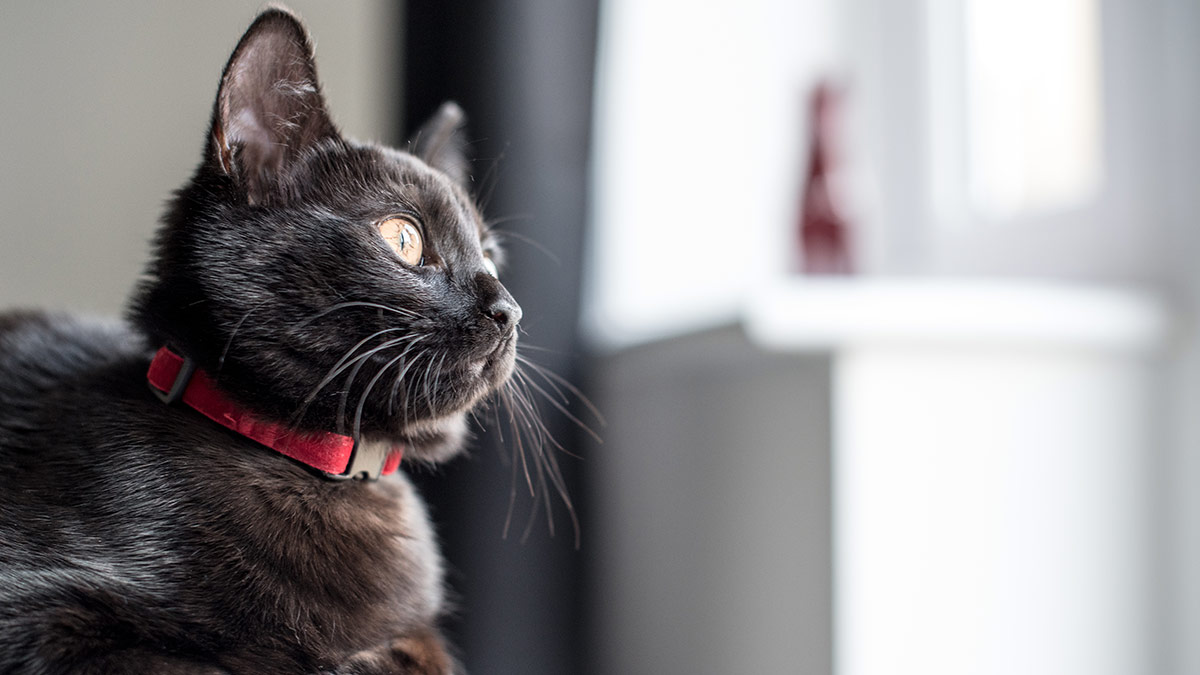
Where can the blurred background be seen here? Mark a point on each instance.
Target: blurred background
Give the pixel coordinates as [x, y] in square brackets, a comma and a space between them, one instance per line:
[887, 305]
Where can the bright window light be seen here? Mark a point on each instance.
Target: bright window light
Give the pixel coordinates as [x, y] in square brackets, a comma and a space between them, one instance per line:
[1033, 105]
[699, 135]
[1015, 108]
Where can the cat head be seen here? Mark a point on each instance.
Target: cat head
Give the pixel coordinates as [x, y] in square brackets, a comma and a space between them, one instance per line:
[327, 283]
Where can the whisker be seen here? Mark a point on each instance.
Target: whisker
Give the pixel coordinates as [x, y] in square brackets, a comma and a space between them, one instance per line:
[530, 421]
[519, 439]
[562, 397]
[502, 400]
[562, 409]
[505, 234]
[359, 362]
[411, 387]
[520, 427]
[400, 378]
[229, 342]
[425, 387]
[437, 377]
[533, 415]
[491, 178]
[549, 376]
[537, 505]
[495, 410]
[362, 400]
[491, 223]
[546, 466]
[526, 347]
[359, 303]
[560, 485]
[345, 362]
[519, 448]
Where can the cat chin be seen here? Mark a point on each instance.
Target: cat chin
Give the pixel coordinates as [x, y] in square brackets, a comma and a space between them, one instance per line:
[436, 440]
[440, 438]
[496, 371]
[485, 376]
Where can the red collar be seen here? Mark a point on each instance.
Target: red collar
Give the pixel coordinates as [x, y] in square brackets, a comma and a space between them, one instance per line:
[174, 378]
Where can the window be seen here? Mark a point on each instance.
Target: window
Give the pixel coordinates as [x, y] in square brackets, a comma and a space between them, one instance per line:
[1016, 108]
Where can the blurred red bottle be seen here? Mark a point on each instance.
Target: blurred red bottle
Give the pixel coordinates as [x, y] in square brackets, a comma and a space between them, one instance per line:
[824, 232]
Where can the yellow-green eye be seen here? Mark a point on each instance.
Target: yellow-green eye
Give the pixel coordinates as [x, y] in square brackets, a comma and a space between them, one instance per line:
[490, 266]
[402, 234]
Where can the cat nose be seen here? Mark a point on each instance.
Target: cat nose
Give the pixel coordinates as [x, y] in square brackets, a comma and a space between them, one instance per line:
[505, 312]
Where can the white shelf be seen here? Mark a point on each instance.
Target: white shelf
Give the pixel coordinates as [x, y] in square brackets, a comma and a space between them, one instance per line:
[810, 314]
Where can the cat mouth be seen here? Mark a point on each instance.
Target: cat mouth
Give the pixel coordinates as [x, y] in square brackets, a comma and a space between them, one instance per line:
[488, 372]
[495, 366]
[477, 378]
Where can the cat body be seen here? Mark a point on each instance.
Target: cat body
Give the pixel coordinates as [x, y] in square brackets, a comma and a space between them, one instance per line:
[172, 534]
[326, 287]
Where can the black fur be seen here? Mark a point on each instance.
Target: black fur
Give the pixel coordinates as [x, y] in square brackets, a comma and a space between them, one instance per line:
[137, 537]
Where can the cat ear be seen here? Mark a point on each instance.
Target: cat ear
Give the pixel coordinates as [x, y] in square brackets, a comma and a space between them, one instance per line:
[440, 142]
[269, 108]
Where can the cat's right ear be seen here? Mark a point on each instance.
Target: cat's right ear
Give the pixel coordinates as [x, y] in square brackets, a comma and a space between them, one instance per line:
[439, 142]
[269, 108]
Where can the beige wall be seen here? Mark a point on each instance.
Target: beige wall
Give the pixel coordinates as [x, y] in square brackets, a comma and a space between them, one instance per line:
[103, 110]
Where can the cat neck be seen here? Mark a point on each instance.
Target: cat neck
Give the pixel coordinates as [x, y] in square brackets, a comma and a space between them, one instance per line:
[338, 457]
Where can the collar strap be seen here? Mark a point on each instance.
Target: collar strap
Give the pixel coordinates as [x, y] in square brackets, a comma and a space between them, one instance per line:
[174, 378]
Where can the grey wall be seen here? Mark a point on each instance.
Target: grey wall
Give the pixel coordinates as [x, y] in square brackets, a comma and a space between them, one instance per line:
[1178, 135]
[712, 511]
[103, 111]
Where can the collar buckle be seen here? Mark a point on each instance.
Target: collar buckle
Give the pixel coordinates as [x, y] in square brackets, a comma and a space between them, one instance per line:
[367, 462]
[179, 385]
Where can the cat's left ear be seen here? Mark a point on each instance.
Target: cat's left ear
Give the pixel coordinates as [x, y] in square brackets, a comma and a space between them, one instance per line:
[269, 108]
[439, 142]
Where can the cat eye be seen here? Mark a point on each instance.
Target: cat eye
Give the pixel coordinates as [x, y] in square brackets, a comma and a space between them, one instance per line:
[402, 234]
[490, 266]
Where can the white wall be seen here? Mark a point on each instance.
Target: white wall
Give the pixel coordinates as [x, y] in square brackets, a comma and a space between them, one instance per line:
[993, 510]
[103, 111]
[700, 137]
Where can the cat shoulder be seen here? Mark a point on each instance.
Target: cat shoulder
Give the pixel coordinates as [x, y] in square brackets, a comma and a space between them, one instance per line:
[40, 349]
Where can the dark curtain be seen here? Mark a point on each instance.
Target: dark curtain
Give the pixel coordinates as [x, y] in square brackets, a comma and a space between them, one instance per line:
[522, 70]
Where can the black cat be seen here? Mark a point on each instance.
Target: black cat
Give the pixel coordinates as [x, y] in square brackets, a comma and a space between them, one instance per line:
[316, 309]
